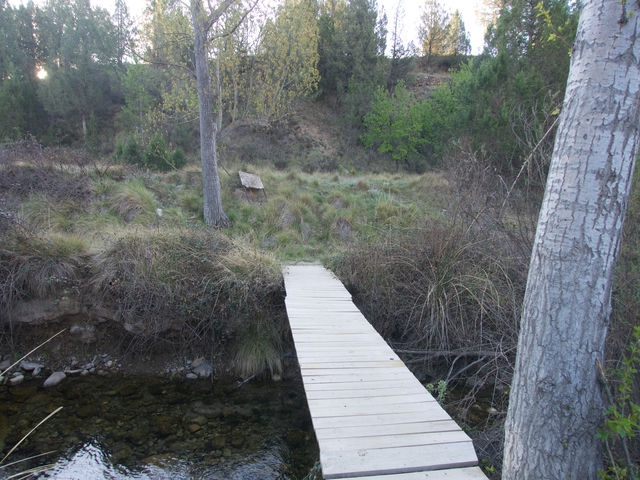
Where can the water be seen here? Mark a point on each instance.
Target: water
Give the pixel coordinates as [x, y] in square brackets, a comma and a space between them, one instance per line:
[155, 428]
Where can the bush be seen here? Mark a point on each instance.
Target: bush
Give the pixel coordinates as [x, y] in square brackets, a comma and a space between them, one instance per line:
[449, 295]
[128, 152]
[155, 155]
[177, 158]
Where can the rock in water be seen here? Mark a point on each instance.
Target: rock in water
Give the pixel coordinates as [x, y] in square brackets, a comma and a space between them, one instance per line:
[16, 379]
[54, 379]
[202, 368]
[30, 366]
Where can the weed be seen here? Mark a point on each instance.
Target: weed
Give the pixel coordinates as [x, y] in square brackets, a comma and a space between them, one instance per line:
[622, 417]
[439, 390]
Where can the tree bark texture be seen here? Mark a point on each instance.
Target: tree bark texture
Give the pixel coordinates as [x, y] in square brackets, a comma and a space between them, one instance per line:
[214, 214]
[556, 404]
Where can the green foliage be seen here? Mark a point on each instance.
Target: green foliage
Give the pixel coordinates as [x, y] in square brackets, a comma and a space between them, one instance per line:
[128, 152]
[433, 29]
[82, 79]
[141, 84]
[394, 124]
[155, 155]
[259, 347]
[439, 390]
[288, 60]
[133, 201]
[177, 158]
[20, 109]
[622, 417]
[504, 102]
[352, 40]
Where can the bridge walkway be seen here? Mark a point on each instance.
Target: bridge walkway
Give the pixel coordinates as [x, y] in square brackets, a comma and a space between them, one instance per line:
[372, 418]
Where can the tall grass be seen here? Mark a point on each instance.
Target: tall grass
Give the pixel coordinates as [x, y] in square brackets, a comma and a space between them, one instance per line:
[133, 201]
[35, 267]
[183, 286]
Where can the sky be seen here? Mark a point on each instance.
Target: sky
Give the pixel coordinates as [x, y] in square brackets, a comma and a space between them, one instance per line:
[413, 11]
[415, 8]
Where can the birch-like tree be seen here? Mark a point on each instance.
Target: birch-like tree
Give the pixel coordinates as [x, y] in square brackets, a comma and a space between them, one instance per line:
[556, 402]
[202, 22]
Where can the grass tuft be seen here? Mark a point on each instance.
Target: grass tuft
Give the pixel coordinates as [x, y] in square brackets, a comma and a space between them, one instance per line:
[133, 201]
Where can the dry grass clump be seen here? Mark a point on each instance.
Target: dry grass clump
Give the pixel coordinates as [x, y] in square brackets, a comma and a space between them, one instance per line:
[193, 282]
[441, 292]
[32, 267]
[27, 168]
[133, 201]
[258, 347]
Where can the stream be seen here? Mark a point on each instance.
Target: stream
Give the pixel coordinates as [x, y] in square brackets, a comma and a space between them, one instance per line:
[157, 428]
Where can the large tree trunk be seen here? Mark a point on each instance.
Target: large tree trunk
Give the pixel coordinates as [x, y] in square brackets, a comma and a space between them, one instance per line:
[213, 213]
[556, 404]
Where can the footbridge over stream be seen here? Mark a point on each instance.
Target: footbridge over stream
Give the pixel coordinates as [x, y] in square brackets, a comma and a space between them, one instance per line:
[372, 418]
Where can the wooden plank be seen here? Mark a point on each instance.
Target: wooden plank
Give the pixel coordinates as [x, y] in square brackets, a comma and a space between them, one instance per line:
[354, 365]
[389, 429]
[353, 358]
[347, 386]
[356, 378]
[469, 473]
[426, 415]
[345, 463]
[342, 409]
[363, 393]
[393, 441]
[388, 400]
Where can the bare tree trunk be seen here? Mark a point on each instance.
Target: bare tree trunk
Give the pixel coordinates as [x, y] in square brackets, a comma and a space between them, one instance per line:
[556, 404]
[214, 214]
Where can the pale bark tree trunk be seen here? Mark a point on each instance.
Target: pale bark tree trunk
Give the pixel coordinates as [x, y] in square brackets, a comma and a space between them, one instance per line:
[214, 214]
[556, 404]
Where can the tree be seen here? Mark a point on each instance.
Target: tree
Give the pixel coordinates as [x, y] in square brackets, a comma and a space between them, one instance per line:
[81, 61]
[457, 38]
[556, 404]
[393, 124]
[214, 214]
[507, 99]
[125, 30]
[203, 22]
[433, 30]
[20, 108]
[401, 56]
[288, 53]
[351, 45]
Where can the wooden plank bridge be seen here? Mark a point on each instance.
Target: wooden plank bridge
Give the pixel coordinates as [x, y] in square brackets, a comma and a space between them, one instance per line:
[372, 418]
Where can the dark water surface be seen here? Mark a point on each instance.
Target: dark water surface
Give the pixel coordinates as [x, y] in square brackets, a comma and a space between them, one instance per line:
[156, 428]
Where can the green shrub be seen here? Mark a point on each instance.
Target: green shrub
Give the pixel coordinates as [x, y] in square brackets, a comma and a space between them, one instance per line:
[128, 152]
[155, 155]
[621, 428]
[177, 158]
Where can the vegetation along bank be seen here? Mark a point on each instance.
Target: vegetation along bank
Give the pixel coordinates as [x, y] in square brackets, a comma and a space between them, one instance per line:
[414, 173]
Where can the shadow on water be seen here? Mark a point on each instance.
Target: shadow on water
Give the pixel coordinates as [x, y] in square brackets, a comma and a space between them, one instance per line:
[155, 428]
